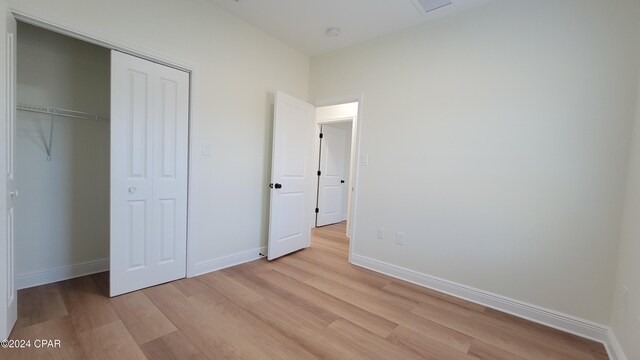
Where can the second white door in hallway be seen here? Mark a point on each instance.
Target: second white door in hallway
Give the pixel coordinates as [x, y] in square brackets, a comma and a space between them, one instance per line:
[334, 174]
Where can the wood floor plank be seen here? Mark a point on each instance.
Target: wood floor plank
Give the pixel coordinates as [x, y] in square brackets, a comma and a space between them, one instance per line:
[86, 304]
[428, 347]
[309, 335]
[231, 288]
[192, 321]
[391, 313]
[109, 342]
[291, 271]
[56, 329]
[484, 351]
[314, 313]
[39, 304]
[143, 320]
[423, 295]
[371, 292]
[369, 344]
[102, 282]
[173, 346]
[544, 331]
[255, 338]
[346, 310]
[191, 286]
[314, 265]
[431, 331]
[502, 334]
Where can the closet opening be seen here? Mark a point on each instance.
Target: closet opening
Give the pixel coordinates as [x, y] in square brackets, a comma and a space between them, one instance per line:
[62, 157]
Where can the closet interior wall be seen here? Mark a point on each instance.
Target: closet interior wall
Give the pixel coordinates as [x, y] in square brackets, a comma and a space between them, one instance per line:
[62, 213]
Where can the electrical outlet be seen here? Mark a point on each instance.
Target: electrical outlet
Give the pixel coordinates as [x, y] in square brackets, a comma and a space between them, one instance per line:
[380, 233]
[400, 238]
[625, 298]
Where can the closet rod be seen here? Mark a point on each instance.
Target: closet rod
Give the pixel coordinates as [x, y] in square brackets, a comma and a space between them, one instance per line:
[60, 112]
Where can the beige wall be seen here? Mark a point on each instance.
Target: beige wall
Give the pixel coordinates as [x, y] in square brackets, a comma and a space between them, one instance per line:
[498, 141]
[238, 69]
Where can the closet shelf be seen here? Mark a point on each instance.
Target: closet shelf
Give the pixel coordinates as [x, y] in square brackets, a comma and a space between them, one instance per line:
[57, 112]
[60, 112]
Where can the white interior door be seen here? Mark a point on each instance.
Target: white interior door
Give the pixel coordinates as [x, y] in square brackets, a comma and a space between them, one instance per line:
[291, 174]
[332, 179]
[9, 303]
[149, 136]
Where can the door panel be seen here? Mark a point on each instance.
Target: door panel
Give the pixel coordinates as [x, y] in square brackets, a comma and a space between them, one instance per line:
[291, 206]
[168, 234]
[168, 126]
[138, 235]
[140, 101]
[149, 110]
[332, 165]
[170, 170]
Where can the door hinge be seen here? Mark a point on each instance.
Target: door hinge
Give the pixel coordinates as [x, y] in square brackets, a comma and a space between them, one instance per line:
[317, 210]
[321, 135]
[319, 172]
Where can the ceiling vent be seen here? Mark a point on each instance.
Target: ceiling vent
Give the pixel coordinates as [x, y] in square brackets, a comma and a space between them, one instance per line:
[426, 6]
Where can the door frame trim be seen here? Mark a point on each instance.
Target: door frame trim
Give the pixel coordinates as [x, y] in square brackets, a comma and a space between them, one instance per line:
[153, 56]
[355, 146]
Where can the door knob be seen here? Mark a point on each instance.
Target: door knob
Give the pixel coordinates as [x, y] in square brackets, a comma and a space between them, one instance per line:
[278, 186]
[132, 190]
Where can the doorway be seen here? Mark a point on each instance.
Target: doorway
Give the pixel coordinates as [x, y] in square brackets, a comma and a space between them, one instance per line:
[336, 164]
[296, 170]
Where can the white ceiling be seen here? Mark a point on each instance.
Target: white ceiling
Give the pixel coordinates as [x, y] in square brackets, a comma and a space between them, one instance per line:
[302, 24]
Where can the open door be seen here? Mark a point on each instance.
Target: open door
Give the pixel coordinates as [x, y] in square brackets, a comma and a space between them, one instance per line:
[149, 145]
[331, 178]
[9, 301]
[291, 173]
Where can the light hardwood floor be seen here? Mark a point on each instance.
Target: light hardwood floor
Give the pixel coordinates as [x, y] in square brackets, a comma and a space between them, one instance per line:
[308, 305]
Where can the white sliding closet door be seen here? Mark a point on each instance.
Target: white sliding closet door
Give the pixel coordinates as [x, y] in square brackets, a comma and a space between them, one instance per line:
[149, 144]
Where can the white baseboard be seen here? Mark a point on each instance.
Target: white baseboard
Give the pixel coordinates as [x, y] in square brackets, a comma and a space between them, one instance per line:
[208, 266]
[62, 273]
[613, 348]
[554, 319]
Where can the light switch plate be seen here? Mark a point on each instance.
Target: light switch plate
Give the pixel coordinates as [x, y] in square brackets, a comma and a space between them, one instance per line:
[625, 298]
[364, 160]
[206, 149]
